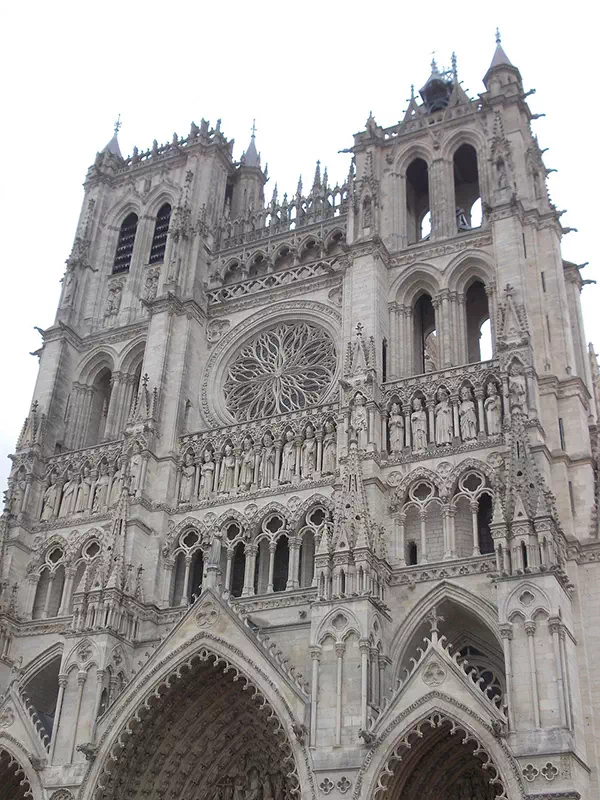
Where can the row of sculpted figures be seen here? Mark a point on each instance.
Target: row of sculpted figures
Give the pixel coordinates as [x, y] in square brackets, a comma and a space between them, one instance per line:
[466, 417]
[247, 465]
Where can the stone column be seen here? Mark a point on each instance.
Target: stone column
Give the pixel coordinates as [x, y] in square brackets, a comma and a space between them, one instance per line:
[272, 549]
[554, 625]
[62, 682]
[474, 506]
[186, 581]
[399, 521]
[340, 648]
[423, 516]
[67, 592]
[315, 654]
[364, 647]
[565, 670]
[530, 628]
[166, 587]
[506, 632]
[251, 552]
[81, 679]
[293, 581]
[230, 554]
[113, 415]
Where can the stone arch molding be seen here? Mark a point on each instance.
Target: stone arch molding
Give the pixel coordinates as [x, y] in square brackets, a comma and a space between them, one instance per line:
[208, 635]
[391, 744]
[212, 402]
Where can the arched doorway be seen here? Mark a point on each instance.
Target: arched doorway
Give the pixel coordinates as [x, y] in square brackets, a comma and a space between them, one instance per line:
[440, 760]
[205, 731]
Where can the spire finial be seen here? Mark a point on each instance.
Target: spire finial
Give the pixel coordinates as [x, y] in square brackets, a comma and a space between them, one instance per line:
[253, 128]
[498, 37]
[412, 91]
[434, 67]
[118, 124]
[454, 68]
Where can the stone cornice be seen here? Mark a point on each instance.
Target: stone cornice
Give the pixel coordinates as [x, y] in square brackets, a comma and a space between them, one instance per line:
[429, 250]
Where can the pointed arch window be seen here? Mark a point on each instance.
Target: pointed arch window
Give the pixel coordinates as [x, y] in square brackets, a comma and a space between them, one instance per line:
[159, 240]
[125, 243]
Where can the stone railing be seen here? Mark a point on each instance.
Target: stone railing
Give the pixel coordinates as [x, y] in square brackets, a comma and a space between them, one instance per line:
[237, 459]
[459, 407]
[272, 280]
[322, 205]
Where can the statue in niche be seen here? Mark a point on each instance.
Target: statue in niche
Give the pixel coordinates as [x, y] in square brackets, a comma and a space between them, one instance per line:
[214, 553]
[288, 459]
[493, 410]
[83, 496]
[115, 489]
[70, 285]
[247, 468]
[358, 420]
[18, 494]
[418, 424]
[266, 471]
[188, 477]
[517, 388]
[396, 429]
[207, 473]
[443, 419]
[151, 286]
[135, 469]
[467, 415]
[227, 478]
[101, 490]
[329, 449]
[113, 301]
[253, 791]
[308, 455]
[69, 495]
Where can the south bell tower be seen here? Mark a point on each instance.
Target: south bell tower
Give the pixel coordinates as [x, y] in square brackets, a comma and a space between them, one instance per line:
[305, 503]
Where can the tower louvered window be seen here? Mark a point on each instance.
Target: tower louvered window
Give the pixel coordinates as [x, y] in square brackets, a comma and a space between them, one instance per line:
[125, 243]
[161, 229]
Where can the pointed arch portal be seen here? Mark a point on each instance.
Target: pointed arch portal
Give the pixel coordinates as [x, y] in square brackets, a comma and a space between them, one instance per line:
[440, 760]
[205, 732]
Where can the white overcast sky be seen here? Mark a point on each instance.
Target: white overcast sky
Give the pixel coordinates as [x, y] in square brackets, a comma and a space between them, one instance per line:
[309, 72]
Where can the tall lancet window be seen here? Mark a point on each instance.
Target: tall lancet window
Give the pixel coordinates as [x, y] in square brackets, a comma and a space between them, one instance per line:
[125, 243]
[159, 240]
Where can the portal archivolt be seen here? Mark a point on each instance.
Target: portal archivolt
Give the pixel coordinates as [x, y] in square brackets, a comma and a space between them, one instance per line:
[439, 760]
[205, 732]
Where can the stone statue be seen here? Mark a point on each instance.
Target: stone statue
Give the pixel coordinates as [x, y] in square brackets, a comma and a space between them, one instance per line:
[113, 301]
[443, 419]
[50, 500]
[253, 791]
[517, 388]
[83, 496]
[188, 477]
[101, 490]
[214, 554]
[151, 285]
[358, 420]
[69, 495]
[493, 410]
[467, 415]
[396, 429]
[115, 489]
[135, 469]
[308, 455]
[329, 449]
[418, 424]
[266, 471]
[207, 473]
[227, 477]
[18, 495]
[247, 468]
[288, 459]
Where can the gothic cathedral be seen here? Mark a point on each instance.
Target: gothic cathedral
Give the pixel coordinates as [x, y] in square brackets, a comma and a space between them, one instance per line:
[305, 505]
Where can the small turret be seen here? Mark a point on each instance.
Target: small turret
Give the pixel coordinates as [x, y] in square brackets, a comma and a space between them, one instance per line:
[248, 192]
[501, 72]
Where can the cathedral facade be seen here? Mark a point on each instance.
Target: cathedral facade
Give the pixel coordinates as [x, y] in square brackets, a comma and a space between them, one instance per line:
[305, 505]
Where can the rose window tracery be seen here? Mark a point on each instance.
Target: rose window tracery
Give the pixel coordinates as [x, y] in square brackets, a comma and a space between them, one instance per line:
[283, 369]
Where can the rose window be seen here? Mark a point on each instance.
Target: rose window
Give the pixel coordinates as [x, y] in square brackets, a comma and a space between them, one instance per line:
[283, 369]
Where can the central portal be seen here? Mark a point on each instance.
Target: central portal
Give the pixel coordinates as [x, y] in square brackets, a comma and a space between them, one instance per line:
[208, 735]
